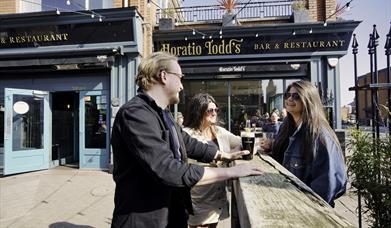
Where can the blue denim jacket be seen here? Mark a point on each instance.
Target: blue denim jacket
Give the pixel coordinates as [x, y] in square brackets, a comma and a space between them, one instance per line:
[326, 175]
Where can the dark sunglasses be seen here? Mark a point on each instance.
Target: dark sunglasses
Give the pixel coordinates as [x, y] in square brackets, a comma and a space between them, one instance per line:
[211, 110]
[295, 96]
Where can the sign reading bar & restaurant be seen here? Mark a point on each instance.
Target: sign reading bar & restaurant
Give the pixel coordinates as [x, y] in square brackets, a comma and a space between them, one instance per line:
[257, 45]
[67, 34]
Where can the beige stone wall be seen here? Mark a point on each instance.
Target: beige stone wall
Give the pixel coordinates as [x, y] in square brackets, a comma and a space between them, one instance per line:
[8, 6]
[148, 14]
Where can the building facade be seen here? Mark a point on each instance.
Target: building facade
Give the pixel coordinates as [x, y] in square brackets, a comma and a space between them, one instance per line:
[65, 69]
[63, 76]
[247, 62]
[365, 104]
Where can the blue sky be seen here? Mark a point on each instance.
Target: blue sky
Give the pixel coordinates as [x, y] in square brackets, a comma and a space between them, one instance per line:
[370, 12]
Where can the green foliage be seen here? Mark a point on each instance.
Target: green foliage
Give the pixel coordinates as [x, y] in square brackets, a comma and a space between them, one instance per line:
[299, 5]
[369, 168]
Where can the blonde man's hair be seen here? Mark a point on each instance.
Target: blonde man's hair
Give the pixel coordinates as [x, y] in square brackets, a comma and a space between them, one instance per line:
[149, 69]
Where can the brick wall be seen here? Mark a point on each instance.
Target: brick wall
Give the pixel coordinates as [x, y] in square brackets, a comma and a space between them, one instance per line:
[8, 6]
[321, 9]
[365, 97]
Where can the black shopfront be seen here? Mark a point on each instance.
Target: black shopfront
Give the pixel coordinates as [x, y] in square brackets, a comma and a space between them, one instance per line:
[248, 68]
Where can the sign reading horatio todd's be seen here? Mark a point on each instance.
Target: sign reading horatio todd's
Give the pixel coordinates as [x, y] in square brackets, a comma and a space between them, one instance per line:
[256, 45]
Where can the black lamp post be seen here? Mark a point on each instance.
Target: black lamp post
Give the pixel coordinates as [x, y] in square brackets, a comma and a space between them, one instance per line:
[355, 51]
[387, 46]
[375, 37]
[371, 51]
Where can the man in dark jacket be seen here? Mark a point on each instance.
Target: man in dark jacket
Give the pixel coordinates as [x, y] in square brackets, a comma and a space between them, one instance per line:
[152, 176]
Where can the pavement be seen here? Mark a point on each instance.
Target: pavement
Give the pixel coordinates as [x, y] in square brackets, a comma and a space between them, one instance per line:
[66, 197]
[60, 197]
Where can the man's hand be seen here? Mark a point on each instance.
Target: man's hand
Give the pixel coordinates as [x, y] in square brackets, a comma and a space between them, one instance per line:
[244, 170]
[234, 155]
[213, 175]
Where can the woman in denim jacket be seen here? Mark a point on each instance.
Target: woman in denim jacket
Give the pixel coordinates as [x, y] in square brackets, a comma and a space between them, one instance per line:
[307, 146]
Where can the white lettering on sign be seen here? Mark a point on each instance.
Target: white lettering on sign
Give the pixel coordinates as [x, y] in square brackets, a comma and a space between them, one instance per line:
[232, 69]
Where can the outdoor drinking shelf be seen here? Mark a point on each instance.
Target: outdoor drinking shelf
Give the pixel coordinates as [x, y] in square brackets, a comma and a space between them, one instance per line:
[279, 199]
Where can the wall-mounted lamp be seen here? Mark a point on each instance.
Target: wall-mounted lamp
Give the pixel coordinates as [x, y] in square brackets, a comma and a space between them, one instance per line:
[295, 66]
[332, 62]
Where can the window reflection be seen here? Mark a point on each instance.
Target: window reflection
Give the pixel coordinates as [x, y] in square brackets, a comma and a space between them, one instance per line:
[27, 128]
[95, 121]
[218, 89]
[252, 99]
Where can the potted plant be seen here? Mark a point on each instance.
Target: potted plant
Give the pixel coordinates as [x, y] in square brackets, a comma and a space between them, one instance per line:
[229, 6]
[167, 20]
[300, 11]
[369, 168]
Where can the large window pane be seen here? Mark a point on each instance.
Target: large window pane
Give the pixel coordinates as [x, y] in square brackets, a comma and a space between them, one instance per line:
[95, 121]
[254, 99]
[246, 99]
[27, 122]
[218, 89]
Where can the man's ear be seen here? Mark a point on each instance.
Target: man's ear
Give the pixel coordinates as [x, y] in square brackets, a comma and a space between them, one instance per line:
[163, 77]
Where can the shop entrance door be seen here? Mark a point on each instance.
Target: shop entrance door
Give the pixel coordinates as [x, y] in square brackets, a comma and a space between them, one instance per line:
[93, 135]
[26, 130]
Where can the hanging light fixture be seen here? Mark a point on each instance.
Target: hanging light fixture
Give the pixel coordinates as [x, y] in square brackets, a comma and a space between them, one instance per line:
[348, 6]
[58, 11]
[68, 3]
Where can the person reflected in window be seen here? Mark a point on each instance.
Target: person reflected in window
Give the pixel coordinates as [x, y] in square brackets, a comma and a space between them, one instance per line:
[307, 146]
[209, 201]
[273, 125]
[283, 114]
[256, 119]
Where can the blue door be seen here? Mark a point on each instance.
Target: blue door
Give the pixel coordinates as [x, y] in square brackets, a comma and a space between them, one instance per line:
[26, 130]
[93, 135]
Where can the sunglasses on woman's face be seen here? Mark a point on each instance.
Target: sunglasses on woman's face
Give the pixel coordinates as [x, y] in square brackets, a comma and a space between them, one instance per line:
[295, 96]
[211, 110]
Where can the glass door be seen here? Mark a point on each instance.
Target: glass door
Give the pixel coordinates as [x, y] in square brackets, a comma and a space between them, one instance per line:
[93, 135]
[26, 130]
[238, 100]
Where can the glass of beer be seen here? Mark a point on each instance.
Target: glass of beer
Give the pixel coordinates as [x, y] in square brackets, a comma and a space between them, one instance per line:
[248, 140]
